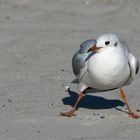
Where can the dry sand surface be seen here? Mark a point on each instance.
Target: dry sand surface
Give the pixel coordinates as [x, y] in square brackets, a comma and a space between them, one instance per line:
[37, 41]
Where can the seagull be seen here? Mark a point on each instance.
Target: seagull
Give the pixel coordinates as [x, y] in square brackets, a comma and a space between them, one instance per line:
[103, 64]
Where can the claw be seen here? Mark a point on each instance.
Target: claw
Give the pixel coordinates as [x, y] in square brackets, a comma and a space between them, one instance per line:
[133, 115]
[68, 114]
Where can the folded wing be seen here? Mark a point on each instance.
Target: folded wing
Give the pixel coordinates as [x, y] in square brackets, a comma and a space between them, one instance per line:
[79, 60]
[134, 67]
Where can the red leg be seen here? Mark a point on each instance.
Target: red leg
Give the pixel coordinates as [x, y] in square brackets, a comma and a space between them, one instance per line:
[130, 112]
[71, 112]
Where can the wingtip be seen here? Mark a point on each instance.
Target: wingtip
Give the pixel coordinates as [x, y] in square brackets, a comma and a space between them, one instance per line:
[75, 81]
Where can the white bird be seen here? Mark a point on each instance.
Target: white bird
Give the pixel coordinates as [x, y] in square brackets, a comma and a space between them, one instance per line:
[103, 64]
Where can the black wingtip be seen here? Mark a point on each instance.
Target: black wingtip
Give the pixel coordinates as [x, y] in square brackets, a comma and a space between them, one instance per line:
[137, 68]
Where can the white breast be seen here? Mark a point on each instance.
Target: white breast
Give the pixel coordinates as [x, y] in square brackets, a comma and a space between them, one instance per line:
[107, 69]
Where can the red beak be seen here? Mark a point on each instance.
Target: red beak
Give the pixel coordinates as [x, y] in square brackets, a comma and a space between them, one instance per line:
[94, 48]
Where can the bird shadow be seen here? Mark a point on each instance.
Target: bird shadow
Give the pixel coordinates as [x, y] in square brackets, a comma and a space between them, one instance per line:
[91, 101]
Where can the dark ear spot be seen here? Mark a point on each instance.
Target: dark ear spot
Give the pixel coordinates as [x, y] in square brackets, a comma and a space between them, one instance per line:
[107, 42]
[115, 44]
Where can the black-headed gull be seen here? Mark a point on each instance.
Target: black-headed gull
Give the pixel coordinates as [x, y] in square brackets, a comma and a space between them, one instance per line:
[103, 64]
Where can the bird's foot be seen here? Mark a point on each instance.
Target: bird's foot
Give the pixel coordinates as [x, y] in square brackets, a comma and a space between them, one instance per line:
[133, 115]
[68, 114]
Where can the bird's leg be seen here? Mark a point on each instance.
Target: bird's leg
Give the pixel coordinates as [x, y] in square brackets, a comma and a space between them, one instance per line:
[71, 112]
[130, 112]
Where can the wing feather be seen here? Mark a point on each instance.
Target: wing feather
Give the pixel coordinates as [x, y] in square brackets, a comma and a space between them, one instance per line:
[79, 60]
[134, 67]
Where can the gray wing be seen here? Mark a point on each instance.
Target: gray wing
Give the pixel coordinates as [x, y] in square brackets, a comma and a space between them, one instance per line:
[134, 68]
[133, 63]
[80, 58]
[85, 46]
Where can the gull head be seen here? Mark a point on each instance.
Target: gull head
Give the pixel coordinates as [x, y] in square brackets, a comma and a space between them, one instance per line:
[105, 41]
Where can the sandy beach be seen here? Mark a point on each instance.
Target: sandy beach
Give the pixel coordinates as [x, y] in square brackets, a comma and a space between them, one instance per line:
[37, 41]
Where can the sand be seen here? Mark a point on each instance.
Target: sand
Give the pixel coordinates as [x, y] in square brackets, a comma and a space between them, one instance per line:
[37, 41]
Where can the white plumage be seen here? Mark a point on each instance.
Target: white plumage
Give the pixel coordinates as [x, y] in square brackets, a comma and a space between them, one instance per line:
[104, 64]
[112, 67]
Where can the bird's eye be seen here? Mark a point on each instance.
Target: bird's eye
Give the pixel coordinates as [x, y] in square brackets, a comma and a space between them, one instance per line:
[107, 43]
